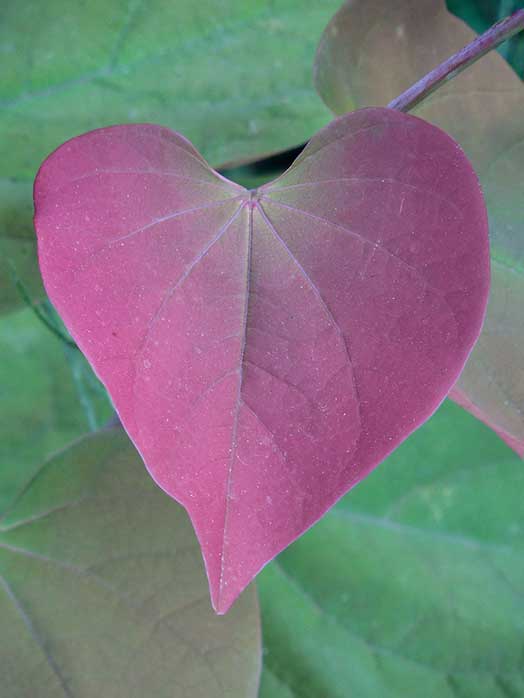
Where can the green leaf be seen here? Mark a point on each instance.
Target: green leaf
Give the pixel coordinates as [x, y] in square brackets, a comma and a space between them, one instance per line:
[48, 396]
[20, 279]
[103, 591]
[234, 77]
[412, 584]
[370, 54]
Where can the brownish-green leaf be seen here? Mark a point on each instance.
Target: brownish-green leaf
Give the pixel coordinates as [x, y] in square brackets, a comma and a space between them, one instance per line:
[103, 591]
[370, 53]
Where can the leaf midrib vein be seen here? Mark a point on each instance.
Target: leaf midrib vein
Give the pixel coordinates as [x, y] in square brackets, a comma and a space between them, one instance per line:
[238, 403]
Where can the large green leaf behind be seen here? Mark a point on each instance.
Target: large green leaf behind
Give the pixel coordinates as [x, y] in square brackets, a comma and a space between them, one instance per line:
[413, 584]
[233, 76]
[48, 396]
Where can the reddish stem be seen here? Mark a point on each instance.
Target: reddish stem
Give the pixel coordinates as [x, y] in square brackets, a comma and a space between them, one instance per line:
[495, 35]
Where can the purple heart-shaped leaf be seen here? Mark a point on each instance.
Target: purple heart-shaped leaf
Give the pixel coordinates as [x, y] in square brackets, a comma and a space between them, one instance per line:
[370, 53]
[266, 349]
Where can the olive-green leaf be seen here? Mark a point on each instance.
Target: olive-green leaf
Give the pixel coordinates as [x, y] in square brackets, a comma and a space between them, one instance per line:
[369, 54]
[233, 76]
[103, 591]
[413, 584]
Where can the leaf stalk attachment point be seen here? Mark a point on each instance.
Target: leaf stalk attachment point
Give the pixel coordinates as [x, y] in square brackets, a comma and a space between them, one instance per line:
[495, 35]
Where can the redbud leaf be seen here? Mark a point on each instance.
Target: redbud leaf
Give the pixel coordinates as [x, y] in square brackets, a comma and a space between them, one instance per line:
[369, 54]
[266, 349]
[103, 591]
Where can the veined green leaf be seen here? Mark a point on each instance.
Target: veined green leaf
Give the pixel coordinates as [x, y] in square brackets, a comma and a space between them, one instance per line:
[412, 583]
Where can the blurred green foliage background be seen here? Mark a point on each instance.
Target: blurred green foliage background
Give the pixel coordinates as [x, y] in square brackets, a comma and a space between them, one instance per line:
[414, 583]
